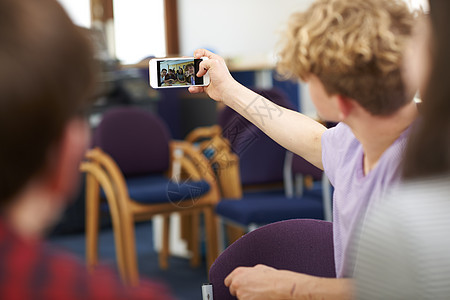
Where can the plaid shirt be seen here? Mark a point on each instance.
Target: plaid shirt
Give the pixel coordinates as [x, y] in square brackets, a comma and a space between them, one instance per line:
[33, 270]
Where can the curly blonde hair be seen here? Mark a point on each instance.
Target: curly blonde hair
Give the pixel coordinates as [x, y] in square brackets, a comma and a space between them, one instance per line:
[354, 47]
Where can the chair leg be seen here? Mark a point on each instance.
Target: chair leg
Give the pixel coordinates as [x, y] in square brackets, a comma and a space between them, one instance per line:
[194, 238]
[121, 244]
[92, 220]
[185, 230]
[211, 236]
[164, 252]
[129, 248]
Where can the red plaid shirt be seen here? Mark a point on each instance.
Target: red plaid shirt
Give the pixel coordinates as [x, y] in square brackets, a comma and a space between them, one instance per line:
[33, 270]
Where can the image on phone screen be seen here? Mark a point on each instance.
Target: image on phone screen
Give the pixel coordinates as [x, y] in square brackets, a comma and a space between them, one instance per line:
[180, 72]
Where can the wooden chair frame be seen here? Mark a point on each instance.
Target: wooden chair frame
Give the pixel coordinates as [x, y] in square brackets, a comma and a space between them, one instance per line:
[102, 171]
[229, 181]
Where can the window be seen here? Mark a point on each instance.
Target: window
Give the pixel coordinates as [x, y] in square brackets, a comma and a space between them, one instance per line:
[139, 29]
[79, 11]
[419, 4]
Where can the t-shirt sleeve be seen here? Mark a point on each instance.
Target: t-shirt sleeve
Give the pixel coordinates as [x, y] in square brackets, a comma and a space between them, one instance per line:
[330, 158]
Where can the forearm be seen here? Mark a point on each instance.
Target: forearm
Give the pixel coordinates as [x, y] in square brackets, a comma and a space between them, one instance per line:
[301, 286]
[292, 130]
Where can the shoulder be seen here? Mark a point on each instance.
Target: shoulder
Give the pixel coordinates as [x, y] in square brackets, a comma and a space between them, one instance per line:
[339, 146]
[340, 128]
[340, 136]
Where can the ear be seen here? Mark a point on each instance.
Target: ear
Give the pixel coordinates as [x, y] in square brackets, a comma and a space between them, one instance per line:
[345, 106]
[63, 173]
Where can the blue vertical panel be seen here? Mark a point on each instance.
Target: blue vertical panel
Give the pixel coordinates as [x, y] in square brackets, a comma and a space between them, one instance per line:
[169, 109]
[246, 78]
[291, 88]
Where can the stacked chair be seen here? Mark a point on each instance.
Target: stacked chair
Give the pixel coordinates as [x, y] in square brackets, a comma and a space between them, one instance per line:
[141, 173]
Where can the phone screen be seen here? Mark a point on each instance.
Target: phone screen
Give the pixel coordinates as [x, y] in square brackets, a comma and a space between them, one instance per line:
[180, 72]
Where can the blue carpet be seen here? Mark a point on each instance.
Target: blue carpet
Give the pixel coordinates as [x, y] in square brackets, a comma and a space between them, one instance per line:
[184, 281]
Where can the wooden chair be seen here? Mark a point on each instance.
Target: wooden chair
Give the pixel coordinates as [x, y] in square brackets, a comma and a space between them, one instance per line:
[128, 204]
[221, 158]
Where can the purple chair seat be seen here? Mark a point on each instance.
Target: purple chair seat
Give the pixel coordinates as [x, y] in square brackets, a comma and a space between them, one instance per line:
[300, 245]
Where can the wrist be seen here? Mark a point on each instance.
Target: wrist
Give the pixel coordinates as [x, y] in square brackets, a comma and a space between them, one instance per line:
[312, 287]
[285, 285]
[232, 92]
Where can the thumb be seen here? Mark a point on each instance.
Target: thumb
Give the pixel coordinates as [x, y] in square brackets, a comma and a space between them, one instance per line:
[196, 89]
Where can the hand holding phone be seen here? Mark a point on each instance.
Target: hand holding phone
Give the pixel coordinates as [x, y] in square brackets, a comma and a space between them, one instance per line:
[222, 86]
[176, 72]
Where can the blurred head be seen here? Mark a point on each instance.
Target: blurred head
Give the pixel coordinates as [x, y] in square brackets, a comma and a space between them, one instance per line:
[163, 72]
[428, 151]
[353, 47]
[46, 79]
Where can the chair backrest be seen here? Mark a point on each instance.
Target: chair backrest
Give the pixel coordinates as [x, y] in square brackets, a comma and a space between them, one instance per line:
[136, 139]
[261, 159]
[300, 245]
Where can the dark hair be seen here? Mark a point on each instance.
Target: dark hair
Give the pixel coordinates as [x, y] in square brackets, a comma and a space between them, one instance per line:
[428, 151]
[163, 70]
[46, 77]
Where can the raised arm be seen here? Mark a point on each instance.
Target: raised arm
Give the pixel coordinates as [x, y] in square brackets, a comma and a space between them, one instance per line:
[292, 130]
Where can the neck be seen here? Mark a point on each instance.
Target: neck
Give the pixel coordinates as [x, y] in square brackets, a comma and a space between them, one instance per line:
[377, 133]
[32, 213]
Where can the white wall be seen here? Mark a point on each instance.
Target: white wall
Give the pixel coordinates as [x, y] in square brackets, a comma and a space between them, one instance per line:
[234, 27]
[239, 27]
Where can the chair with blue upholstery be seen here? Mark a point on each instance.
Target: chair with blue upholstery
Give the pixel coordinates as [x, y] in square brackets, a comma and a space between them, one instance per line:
[260, 197]
[131, 166]
[260, 207]
[260, 159]
[302, 178]
[300, 245]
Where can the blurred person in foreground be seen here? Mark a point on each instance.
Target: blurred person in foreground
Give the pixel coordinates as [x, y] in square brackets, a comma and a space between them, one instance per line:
[47, 75]
[404, 250]
[350, 54]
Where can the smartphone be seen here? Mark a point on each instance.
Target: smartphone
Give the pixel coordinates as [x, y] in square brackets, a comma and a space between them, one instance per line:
[176, 72]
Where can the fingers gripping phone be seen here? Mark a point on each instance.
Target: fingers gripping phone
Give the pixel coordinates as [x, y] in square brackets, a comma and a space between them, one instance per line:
[176, 72]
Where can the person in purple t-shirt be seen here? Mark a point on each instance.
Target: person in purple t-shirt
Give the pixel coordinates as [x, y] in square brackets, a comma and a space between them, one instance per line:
[349, 52]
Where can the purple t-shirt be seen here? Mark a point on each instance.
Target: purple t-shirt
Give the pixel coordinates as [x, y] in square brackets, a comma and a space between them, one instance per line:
[342, 157]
